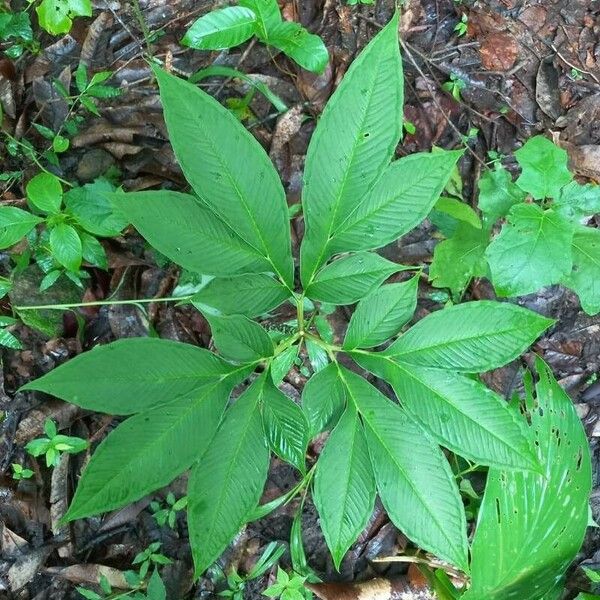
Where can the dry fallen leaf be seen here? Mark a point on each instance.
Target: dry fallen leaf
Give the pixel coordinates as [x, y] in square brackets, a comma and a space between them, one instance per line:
[499, 51]
[374, 589]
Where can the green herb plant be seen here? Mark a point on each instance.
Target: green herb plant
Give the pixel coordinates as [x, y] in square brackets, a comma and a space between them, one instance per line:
[164, 515]
[16, 35]
[287, 587]
[528, 234]
[454, 86]
[54, 444]
[181, 413]
[20, 472]
[56, 16]
[462, 26]
[231, 26]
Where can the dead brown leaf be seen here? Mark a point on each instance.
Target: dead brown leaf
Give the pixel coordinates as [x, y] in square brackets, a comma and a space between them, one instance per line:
[499, 51]
[374, 589]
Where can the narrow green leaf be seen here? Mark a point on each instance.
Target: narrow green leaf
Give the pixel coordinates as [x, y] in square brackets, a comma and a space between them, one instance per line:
[344, 487]
[531, 526]
[148, 450]
[15, 224]
[544, 167]
[351, 278]
[249, 295]
[282, 363]
[223, 28]
[533, 250]
[132, 375]
[188, 233]
[585, 277]
[227, 482]
[305, 48]
[382, 314]
[460, 413]
[267, 14]
[414, 480]
[352, 145]
[402, 197]
[45, 192]
[458, 209]
[66, 247]
[323, 399]
[285, 426]
[215, 151]
[471, 338]
[238, 338]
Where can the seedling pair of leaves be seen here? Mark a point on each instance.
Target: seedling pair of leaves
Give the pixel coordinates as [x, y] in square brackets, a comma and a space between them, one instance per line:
[178, 398]
[232, 26]
[543, 240]
[54, 444]
[56, 16]
[72, 222]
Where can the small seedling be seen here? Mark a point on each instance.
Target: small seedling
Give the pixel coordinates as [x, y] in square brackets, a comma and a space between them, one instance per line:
[19, 472]
[55, 444]
[462, 26]
[286, 587]
[454, 86]
[168, 514]
[149, 557]
[231, 26]
[576, 74]
[154, 589]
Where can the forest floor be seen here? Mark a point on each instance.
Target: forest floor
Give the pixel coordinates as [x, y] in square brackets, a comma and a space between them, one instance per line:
[528, 67]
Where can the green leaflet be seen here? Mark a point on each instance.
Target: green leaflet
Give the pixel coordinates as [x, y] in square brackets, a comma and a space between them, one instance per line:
[56, 16]
[413, 478]
[92, 251]
[497, 194]
[66, 247]
[527, 515]
[248, 295]
[533, 250]
[470, 337]
[223, 28]
[402, 197]
[460, 258]
[305, 48]
[15, 224]
[323, 399]
[344, 485]
[382, 314]
[353, 143]
[132, 375]
[184, 230]
[227, 482]
[585, 277]
[239, 339]
[348, 279]
[45, 192]
[214, 151]
[458, 412]
[285, 426]
[149, 450]
[544, 168]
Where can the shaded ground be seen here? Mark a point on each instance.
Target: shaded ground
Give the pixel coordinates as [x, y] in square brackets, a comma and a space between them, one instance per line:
[529, 67]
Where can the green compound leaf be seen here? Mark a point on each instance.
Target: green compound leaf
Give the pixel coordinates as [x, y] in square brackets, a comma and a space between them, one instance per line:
[323, 399]
[132, 375]
[45, 192]
[497, 194]
[351, 278]
[239, 339]
[470, 338]
[414, 480]
[402, 197]
[344, 487]
[267, 14]
[576, 200]
[460, 413]
[460, 258]
[306, 49]
[223, 28]
[285, 426]
[248, 295]
[544, 168]
[585, 277]
[533, 250]
[148, 450]
[15, 224]
[184, 230]
[352, 145]
[531, 526]
[382, 314]
[215, 151]
[56, 16]
[66, 247]
[226, 485]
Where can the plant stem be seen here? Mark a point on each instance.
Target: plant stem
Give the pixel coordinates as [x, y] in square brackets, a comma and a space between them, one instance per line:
[101, 303]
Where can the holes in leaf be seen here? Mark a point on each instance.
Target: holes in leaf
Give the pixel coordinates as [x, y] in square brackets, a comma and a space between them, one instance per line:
[498, 514]
[366, 134]
[579, 459]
